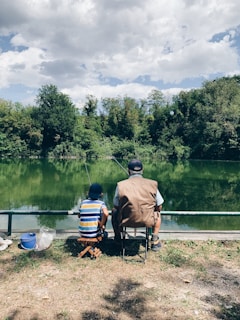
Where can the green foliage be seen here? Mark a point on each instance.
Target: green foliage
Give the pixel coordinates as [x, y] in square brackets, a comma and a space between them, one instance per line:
[90, 107]
[20, 136]
[210, 119]
[67, 150]
[122, 148]
[200, 124]
[122, 117]
[57, 117]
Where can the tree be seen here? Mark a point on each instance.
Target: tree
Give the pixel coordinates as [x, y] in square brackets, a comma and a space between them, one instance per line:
[158, 119]
[57, 117]
[221, 133]
[209, 119]
[129, 119]
[19, 134]
[122, 117]
[91, 119]
[112, 109]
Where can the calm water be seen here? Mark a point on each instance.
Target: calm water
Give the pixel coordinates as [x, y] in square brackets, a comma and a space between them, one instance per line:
[61, 184]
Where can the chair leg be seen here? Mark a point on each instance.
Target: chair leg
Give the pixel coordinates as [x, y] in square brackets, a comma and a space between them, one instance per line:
[146, 242]
[95, 252]
[123, 234]
[84, 251]
[149, 231]
[89, 246]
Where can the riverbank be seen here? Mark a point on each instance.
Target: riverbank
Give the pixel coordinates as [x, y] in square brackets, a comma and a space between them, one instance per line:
[185, 280]
[199, 235]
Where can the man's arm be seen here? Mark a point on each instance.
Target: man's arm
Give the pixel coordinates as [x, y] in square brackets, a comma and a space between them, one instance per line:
[159, 200]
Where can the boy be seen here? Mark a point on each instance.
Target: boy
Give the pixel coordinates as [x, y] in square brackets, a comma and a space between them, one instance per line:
[93, 213]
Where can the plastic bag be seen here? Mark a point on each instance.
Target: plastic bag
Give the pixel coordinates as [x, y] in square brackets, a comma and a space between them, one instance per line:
[45, 238]
[4, 243]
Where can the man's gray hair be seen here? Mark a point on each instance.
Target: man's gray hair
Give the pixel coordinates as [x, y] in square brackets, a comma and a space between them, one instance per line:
[132, 172]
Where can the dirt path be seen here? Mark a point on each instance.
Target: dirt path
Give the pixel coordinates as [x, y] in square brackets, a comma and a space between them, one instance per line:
[185, 280]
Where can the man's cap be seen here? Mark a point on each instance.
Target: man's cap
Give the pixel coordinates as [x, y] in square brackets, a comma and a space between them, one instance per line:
[135, 165]
[95, 191]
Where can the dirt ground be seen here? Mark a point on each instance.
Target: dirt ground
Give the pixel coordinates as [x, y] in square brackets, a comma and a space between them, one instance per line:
[185, 280]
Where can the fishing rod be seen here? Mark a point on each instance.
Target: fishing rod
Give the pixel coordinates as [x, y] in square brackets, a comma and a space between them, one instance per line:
[80, 199]
[120, 165]
[89, 180]
[105, 199]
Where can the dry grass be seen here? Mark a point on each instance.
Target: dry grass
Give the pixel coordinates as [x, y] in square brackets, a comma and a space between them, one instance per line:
[185, 280]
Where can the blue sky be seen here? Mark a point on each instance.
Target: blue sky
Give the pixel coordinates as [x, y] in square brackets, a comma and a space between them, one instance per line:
[110, 48]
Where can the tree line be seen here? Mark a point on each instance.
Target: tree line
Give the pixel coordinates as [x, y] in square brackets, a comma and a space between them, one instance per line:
[201, 123]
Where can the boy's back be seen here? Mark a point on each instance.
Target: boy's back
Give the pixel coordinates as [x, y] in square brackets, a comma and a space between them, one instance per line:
[90, 216]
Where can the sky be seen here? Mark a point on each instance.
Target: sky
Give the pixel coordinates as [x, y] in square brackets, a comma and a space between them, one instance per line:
[115, 48]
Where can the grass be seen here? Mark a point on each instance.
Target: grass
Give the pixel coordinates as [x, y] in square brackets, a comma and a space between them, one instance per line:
[186, 280]
[175, 257]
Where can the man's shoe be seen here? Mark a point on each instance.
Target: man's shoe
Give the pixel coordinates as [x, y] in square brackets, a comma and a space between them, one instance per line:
[156, 245]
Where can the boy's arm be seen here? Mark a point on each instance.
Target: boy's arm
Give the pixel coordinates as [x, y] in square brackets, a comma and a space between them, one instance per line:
[104, 217]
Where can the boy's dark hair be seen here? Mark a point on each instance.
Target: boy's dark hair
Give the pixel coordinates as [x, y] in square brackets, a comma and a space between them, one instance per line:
[95, 191]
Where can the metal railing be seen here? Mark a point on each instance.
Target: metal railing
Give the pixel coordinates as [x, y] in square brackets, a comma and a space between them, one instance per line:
[10, 214]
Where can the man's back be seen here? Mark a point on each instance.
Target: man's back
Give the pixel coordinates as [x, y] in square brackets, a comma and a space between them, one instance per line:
[137, 201]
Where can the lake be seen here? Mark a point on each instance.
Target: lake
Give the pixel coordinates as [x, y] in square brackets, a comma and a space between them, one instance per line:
[35, 184]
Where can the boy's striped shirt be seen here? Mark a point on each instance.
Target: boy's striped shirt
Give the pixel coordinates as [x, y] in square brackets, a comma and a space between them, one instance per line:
[90, 216]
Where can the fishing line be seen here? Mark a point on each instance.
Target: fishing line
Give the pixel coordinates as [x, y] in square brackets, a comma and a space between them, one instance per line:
[105, 198]
[82, 197]
[89, 180]
[120, 165]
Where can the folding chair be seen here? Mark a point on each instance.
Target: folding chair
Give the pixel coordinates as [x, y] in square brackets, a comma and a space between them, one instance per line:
[148, 232]
[90, 247]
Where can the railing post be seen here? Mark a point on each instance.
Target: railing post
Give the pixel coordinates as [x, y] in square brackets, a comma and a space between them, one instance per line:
[9, 223]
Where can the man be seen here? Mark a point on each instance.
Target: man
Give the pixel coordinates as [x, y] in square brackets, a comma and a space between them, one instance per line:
[137, 203]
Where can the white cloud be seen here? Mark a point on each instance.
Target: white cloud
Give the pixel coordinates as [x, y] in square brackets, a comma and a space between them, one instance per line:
[82, 45]
[22, 67]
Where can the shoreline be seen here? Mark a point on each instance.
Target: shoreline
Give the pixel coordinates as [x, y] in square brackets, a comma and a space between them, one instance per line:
[203, 235]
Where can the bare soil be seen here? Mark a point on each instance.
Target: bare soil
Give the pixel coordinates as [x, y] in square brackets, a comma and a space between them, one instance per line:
[185, 280]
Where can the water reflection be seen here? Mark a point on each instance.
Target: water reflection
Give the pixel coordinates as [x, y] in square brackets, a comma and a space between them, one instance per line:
[61, 184]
